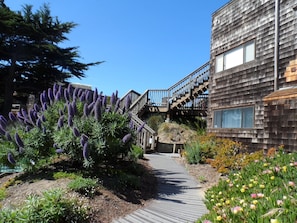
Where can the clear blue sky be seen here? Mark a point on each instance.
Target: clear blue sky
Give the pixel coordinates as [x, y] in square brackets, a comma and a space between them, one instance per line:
[146, 44]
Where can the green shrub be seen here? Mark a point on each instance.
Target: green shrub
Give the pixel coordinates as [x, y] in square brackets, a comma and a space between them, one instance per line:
[262, 191]
[192, 152]
[51, 207]
[75, 122]
[136, 153]
[61, 175]
[127, 180]
[2, 193]
[84, 186]
[155, 121]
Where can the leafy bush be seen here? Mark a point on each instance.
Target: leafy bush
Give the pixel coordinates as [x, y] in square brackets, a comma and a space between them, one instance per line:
[127, 180]
[155, 121]
[136, 153]
[84, 186]
[264, 191]
[192, 152]
[223, 154]
[71, 121]
[2, 193]
[52, 207]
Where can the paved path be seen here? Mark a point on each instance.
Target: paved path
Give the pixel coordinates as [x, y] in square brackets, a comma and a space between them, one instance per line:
[179, 199]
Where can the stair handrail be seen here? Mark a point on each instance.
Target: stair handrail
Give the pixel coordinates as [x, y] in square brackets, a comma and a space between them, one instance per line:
[182, 86]
[188, 82]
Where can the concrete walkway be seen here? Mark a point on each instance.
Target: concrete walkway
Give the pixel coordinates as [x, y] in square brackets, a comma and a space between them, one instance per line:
[179, 199]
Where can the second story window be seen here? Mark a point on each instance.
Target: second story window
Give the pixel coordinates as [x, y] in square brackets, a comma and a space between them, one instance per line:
[237, 56]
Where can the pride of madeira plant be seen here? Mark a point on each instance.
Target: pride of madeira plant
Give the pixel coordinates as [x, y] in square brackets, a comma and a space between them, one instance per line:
[75, 122]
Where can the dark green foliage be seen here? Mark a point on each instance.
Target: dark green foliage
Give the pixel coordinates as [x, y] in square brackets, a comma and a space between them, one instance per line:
[155, 121]
[74, 122]
[52, 207]
[31, 56]
[136, 153]
[192, 152]
[84, 186]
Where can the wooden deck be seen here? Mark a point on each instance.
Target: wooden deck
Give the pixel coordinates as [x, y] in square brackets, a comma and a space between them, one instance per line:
[179, 198]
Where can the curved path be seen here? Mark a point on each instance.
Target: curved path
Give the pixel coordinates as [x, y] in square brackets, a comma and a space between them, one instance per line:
[179, 199]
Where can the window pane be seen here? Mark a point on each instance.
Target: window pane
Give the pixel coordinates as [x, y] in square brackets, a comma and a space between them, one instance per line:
[217, 123]
[234, 58]
[248, 117]
[231, 118]
[220, 63]
[250, 52]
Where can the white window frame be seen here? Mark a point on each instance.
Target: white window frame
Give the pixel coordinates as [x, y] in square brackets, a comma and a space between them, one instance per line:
[236, 56]
[240, 117]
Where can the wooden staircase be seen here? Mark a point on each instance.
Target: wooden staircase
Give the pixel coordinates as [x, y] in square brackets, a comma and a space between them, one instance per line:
[188, 96]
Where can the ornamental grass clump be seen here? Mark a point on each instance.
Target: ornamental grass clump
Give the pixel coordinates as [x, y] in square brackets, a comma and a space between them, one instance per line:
[78, 123]
[264, 191]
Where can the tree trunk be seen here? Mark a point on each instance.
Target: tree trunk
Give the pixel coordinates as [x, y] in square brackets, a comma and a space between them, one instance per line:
[9, 88]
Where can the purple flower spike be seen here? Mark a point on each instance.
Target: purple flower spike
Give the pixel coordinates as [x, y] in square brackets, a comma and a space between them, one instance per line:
[139, 129]
[66, 95]
[18, 140]
[41, 98]
[61, 122]
[3, 119]
[36, 108]
[12, 116]
[97, 110]
[59, 151]
[27, 129]
[32, 116]
[95, 95]
[88, 95]
[55, 88]
[10, 158]
[38, 123]
[61, 112]
[44, 106]
[70, 110]
[117, 105]
[128, 103]
[104, 101]
[126, 138]
[70, 121]
[83, 139]
[8, 136]
[2, 130]
[42, 117]
[76, 132]
[85, 151]
[82, 97]
[50, 95]
[74, 108]
[43, 130]
[86, 110]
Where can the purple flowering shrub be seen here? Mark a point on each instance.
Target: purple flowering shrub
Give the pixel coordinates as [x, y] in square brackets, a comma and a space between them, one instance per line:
[78, 123]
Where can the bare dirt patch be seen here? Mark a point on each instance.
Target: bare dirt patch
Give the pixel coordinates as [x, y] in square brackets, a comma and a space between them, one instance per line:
[108, 203]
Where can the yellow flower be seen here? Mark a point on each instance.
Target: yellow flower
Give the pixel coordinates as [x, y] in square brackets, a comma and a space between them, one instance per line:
[227, 202]
[262, 186]
[242, 190]
[272, 178]
[253, 207]
[255, 202]
[251, 185]
[284, 168]
[219, 218]
[274, 221]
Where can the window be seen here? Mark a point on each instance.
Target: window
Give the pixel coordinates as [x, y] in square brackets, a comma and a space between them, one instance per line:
[234, 118]
[237, 56]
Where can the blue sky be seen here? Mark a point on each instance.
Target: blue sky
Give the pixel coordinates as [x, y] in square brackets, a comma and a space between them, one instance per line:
[148, 44]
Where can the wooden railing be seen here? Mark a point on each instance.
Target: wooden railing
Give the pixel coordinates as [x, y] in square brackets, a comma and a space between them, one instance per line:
[165, 96]
[162, 98]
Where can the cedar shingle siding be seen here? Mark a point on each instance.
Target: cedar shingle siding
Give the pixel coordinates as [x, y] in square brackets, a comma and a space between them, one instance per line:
[238, 22]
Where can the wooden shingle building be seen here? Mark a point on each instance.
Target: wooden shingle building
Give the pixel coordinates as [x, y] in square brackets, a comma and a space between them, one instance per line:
[253, 73]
